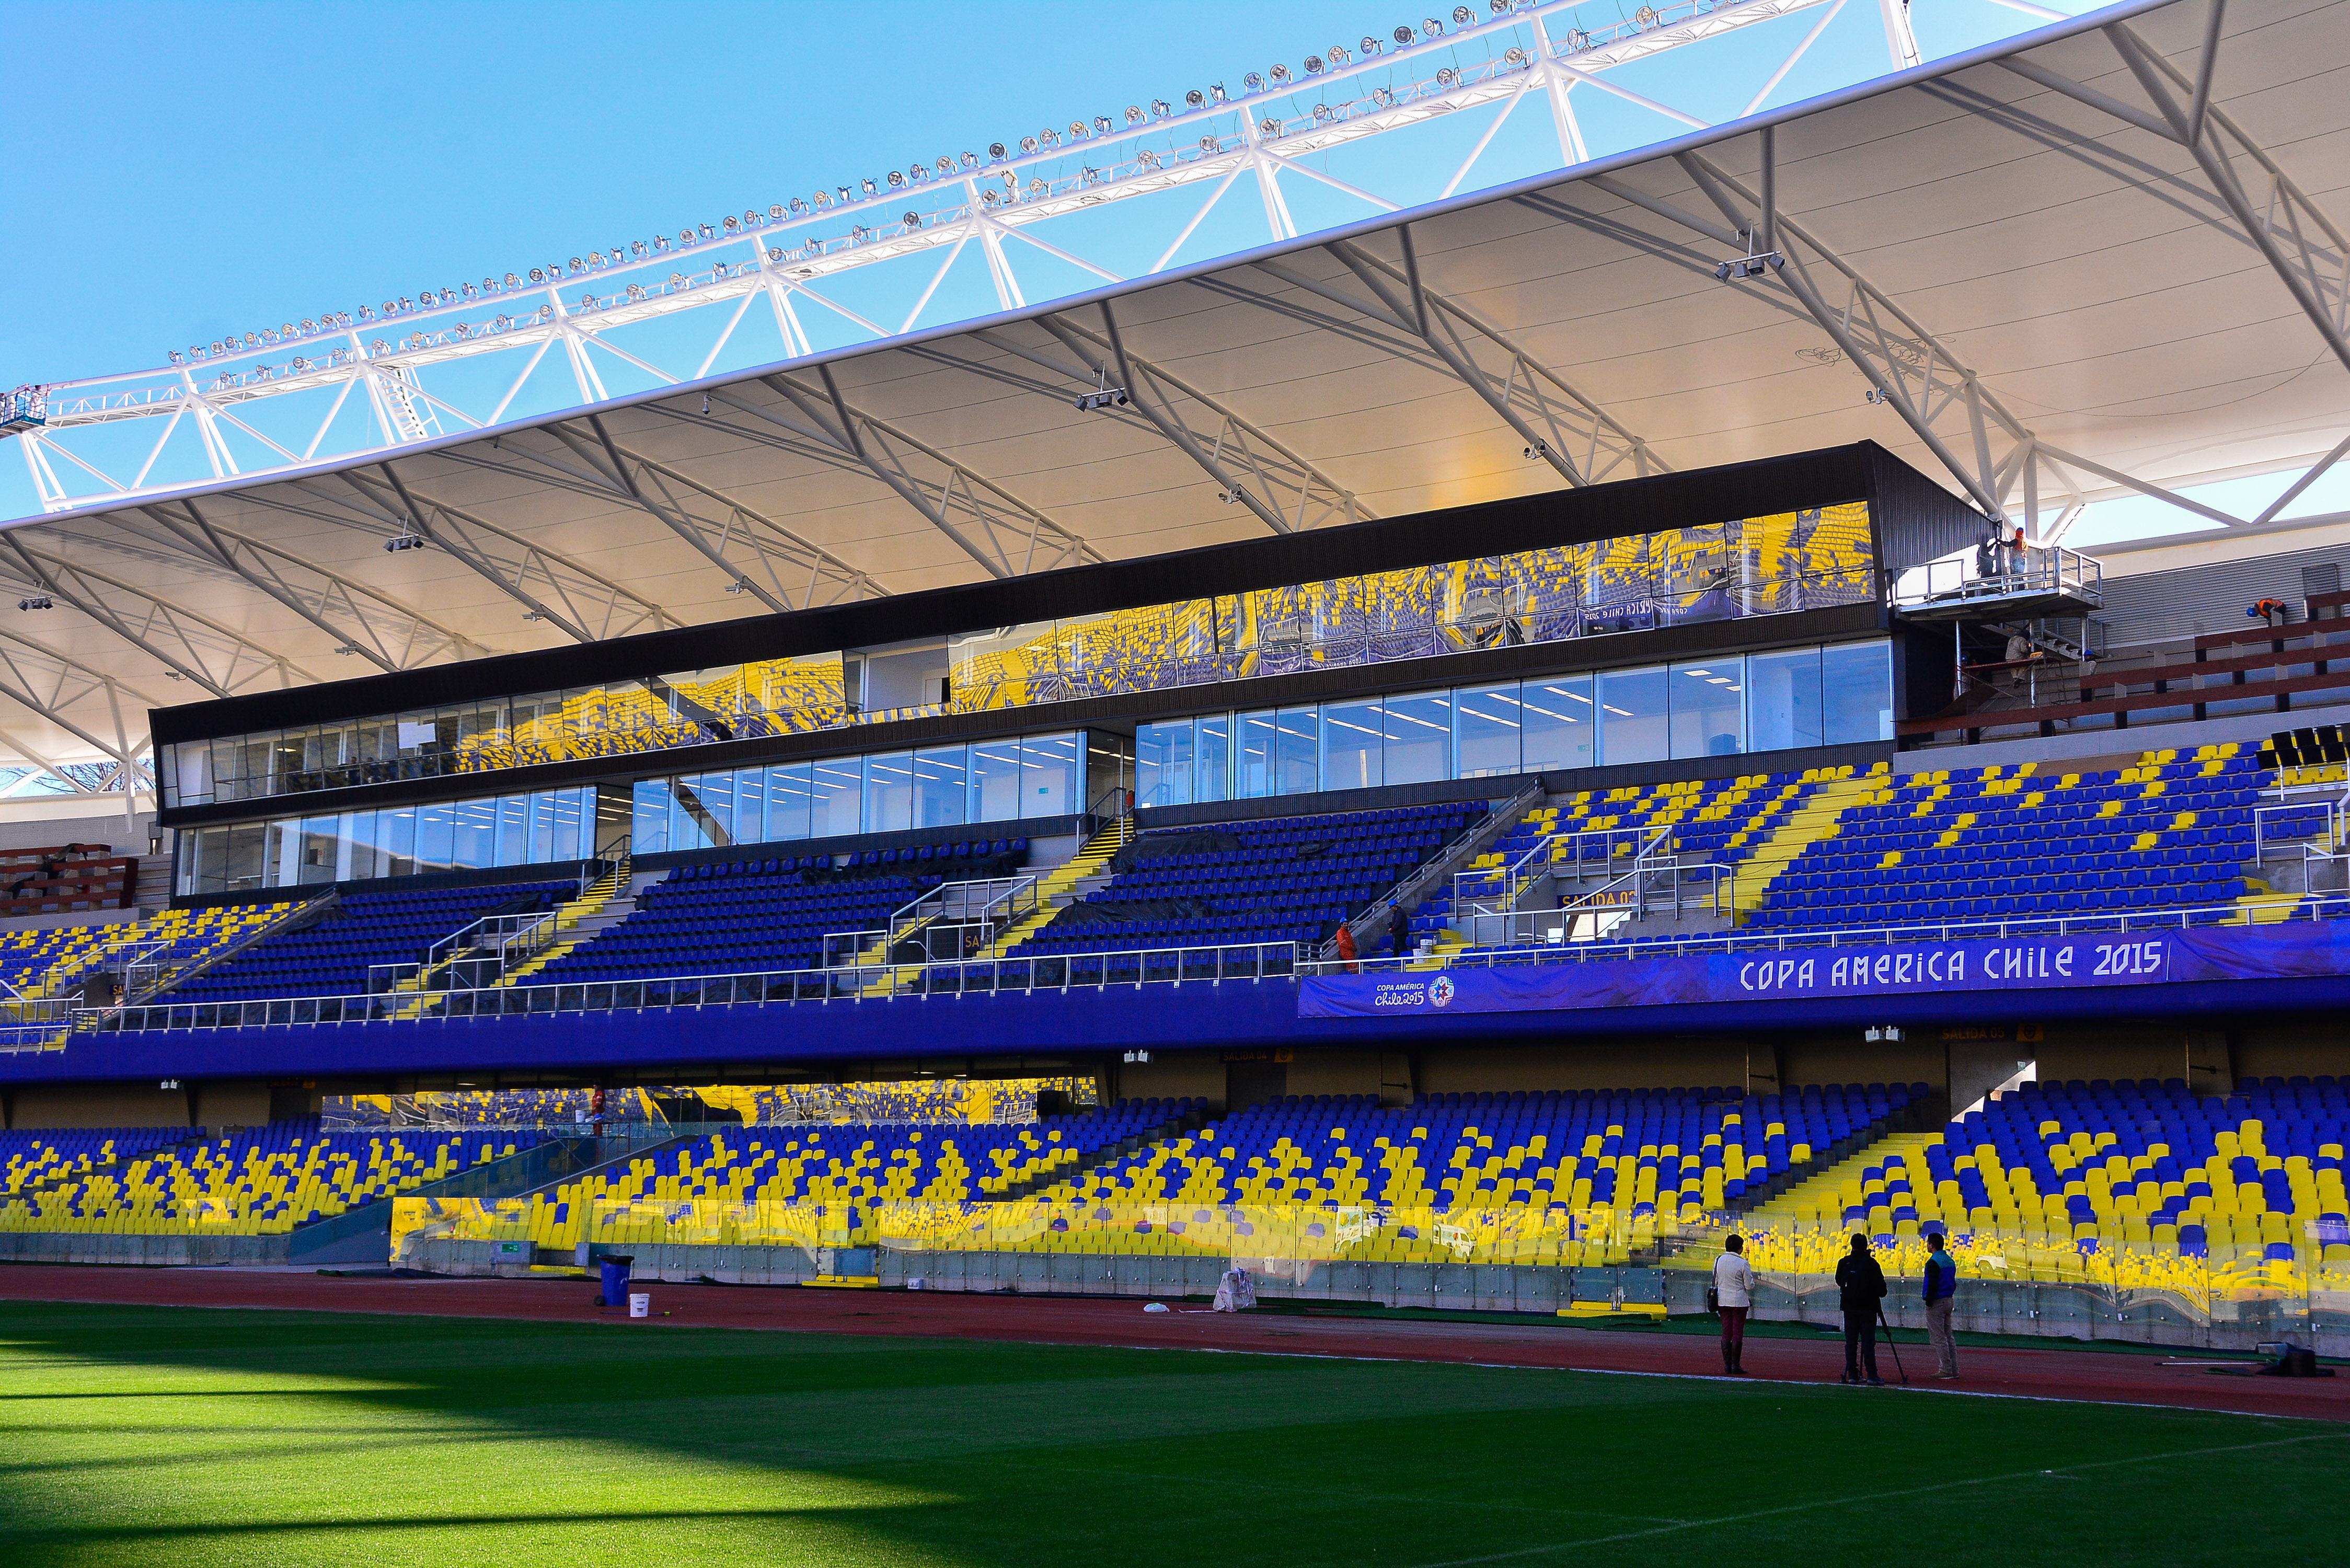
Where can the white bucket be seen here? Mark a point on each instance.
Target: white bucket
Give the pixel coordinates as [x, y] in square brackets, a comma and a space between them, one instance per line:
[640, 1305]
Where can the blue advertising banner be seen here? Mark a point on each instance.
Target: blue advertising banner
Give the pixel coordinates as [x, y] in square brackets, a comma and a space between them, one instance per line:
[2093, 959]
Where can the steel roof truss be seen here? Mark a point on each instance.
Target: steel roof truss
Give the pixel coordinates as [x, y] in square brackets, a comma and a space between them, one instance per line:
[192, 647]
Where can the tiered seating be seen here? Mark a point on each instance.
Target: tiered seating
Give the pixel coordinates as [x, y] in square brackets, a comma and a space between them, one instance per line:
[749, 916]
[333, 957]
[48, 964]
[851, 1164]
[1648, 1151]
[2030, 841]
[263, 1181]
[1280, 879]
[31, 1159]
[2256, 1174]
[67, 877]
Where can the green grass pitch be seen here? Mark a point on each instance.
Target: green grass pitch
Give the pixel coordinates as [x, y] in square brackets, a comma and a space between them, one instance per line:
[191, 1438]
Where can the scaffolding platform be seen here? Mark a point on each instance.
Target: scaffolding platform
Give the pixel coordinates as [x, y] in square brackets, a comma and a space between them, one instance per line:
[2026, 584]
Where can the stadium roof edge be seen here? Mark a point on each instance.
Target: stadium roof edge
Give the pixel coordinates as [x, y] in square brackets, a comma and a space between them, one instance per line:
[2122, 10]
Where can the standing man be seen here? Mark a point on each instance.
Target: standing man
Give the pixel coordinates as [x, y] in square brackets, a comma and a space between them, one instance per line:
[1942, 1293]
[1861, 1284]
[1733, 1293]
[1347, 953]
[1399, 932]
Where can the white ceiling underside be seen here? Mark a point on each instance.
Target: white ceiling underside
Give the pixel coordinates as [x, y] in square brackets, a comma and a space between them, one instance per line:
[2052, 295]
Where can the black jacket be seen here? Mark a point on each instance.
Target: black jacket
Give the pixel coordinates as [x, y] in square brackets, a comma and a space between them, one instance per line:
[1862, 1283]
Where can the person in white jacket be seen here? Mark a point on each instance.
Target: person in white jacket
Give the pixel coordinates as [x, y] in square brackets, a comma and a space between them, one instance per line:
[1733, 1293]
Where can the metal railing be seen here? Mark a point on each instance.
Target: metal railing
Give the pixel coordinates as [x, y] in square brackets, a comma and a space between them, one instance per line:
[1495, 890]
[2038, 571]
[1646, 887]
[1132, 967]
[2305, 907]
[854, 984]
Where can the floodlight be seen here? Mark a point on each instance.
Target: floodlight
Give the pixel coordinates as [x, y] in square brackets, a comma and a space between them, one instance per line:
[1134, 114]
[1322, 113]
[1280, 75]
[797, 207]
[731, 225]
[1430, 28]
[1210, 145]
[1370, 46]
[1739, 268]
[173, 355]
[775, 213]
[503, 323]
[1161, 108]
[37, 602]
[1101, 125]
[750, 218]
[1446, 76]
[1499, 7]
[774, 252]
[1464, 18]
[913, 219]
[705, 231]
[1515, 55]
[997, 151]
[1027, 145]
[869, 187]
[1254, 82]
[1216, 90]
[1269, 127]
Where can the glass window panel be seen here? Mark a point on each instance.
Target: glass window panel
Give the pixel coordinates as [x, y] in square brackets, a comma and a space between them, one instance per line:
[649, 821]
[396, 830]
[995, 781]
[358, 832]
[690, 822]
[1051, 778]
[543, 807]
[1856, 693]
[1162, 764]
[787, 802]
[941, 786]
[1559, 731]
[1485, 731]
[1212, 743]
[1354, 744]
[567, 811]
[436, 829]
[513, 845]
[1632, 717]
[1256, 759]
[1300, 755]
[836, 797]
[716, 793]
[476, 831]
[750, 805]
[247, 864]
[318, 854]
[1783, 699]
[890, 793]
[1418, 737]
[1708, 702]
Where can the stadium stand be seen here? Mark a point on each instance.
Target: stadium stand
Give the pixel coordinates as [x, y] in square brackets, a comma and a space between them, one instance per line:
[333, 956]
[2254, 1175]
[746, 917]
[2026, 841]
[1279, 880]
[261, 1181]
[30, 1160]
[850, 1164]
[1645, 1150]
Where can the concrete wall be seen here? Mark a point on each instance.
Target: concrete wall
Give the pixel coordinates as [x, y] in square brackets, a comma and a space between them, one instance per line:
[99, 1106]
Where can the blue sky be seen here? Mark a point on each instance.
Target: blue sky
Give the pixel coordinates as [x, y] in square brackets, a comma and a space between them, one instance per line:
[182, 171]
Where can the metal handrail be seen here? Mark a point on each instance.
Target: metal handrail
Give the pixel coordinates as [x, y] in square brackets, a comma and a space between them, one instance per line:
[1513, 877]
[1176, 966]
[1205, 965]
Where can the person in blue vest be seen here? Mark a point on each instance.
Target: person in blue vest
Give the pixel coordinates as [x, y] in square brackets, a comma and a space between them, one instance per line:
[1861, 1284]
[1942, 1293]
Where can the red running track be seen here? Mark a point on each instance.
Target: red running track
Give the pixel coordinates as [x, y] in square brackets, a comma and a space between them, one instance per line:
[2107, 1376]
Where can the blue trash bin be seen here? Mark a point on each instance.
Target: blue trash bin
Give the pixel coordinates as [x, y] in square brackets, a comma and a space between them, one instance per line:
[616, 1282]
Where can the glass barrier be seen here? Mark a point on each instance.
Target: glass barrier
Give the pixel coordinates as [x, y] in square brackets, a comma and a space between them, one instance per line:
[1754, 567]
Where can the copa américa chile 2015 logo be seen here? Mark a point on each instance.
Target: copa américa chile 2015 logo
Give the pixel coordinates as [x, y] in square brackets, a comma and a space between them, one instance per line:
[1439, 992]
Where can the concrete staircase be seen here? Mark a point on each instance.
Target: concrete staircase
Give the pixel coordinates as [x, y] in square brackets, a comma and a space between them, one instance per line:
[1795, 822]
[576, 923]
[1818, 1201]
[1063, 886]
